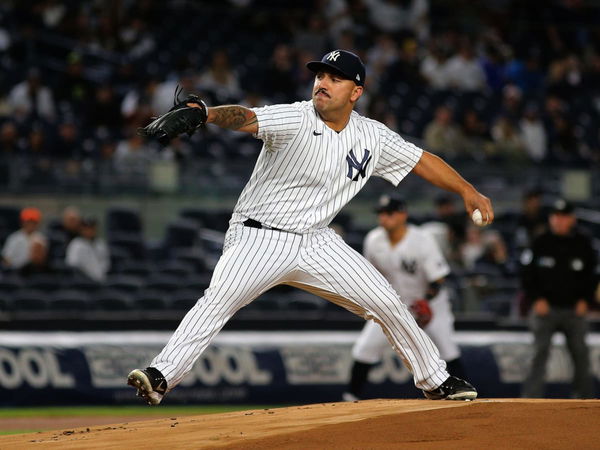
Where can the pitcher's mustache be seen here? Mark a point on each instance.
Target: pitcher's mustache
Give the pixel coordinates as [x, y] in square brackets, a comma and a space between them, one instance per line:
[321, 90]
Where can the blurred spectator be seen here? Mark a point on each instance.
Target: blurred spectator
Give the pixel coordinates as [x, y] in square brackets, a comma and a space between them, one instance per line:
[220, 80]
[406, 68]
[103, 109]
[565, 77]
[393, 16]
[30, 99]
[68, 143]
[38, 258]
[434, 68]
[279, 82]
[508, 145]
[483, 246]
[70, 223]
[163, 94]
[313, 36]
[511, 103]
[531, 220]
[132, 155]
[89, 253]
[16, 252]
[380, 56]
[9, 140]
[477, 138]
[74, 89]
[526, 74]
[533, 134]
[442, 136]
[559, 281]
[447, 227]
[464, 71]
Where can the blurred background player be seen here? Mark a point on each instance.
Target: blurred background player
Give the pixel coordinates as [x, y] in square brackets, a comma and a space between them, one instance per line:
[558, 278]
[414, 265]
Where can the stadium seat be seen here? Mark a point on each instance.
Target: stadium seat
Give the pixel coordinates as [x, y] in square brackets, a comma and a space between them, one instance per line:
[5, 304]
[44, 282]
[133, 245]
[183, 299]
[69, 300]
[10, 282]
[124, 283]
[121, 219]
[148, 299]
[30, 300]
[111, 300]
[177, 269]
[179, 234]
[195, 257]
[164, 283]
[136, 268]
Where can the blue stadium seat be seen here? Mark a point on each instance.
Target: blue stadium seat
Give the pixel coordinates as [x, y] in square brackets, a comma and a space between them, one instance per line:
[44, 282]
[111, 300]
[69, 300]
[30, 300]
[148, 299]
[124, 283]
[183, 299]
[163, 283]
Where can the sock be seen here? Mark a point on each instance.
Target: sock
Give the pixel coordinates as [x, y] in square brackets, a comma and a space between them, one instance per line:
[455, 368]
[358, 377]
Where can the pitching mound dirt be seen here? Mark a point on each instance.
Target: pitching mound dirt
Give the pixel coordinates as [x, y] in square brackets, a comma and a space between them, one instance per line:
[381, 424]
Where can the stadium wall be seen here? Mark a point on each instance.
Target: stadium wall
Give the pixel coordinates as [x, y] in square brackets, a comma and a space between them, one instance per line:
[252, 367]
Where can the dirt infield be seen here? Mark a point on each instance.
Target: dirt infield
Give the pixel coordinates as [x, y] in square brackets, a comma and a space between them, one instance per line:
[380, 424]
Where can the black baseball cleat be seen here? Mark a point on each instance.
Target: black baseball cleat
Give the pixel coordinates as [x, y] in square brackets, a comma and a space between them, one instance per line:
[453, 389]
[150, 384]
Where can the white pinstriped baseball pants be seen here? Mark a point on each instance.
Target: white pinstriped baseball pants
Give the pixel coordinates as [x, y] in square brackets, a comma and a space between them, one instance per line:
[254, 260]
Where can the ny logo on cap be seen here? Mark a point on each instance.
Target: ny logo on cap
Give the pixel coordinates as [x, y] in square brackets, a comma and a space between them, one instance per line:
[333, 56]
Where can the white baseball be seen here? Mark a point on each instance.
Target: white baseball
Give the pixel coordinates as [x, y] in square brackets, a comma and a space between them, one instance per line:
[477, 218]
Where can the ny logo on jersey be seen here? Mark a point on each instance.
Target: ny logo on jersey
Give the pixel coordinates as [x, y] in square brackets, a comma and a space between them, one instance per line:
[409, 266]
[360, 167]
[333, 56]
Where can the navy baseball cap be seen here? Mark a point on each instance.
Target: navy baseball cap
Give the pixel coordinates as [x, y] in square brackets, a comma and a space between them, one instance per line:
[562, 206]
[342, 62]
[390, 203]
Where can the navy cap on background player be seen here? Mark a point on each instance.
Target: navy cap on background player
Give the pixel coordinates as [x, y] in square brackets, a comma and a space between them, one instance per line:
[342, 62]
[390, 203]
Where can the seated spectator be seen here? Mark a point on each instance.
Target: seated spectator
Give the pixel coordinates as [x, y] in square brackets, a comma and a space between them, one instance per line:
[508, 145]
[38, 258]
[483, 246]
[532, 219]
[464, 71]
[88, 253]
[31, 99]
[533, 134]
[442, 136]
[220, 80]
[477, 138]
[70, 223]
[434, 68]
[16, 252]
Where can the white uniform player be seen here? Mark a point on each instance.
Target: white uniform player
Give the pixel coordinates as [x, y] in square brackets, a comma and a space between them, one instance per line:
[316, 156]
[412, 261]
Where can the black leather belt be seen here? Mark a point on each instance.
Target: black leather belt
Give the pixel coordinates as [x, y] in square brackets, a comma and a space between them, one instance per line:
[256, 224]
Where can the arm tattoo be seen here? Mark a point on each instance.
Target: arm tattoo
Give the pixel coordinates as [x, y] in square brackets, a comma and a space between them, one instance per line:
[233, 117]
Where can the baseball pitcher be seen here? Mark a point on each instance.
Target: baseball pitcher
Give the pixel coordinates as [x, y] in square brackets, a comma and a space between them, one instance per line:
[316, 156]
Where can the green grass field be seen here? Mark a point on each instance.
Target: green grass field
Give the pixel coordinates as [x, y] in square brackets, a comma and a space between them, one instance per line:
[117, 411]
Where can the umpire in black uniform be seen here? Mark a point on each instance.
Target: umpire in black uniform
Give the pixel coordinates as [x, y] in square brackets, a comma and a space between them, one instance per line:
[558, 280]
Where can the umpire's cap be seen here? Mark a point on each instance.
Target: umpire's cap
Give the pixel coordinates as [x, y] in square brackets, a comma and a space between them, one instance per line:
[562, 206]
[342, 62]
[390, 203]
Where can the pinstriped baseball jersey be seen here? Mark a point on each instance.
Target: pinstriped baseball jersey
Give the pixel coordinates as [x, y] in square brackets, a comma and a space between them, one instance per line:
[306, 172]
[304, 175]
[410, 265]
